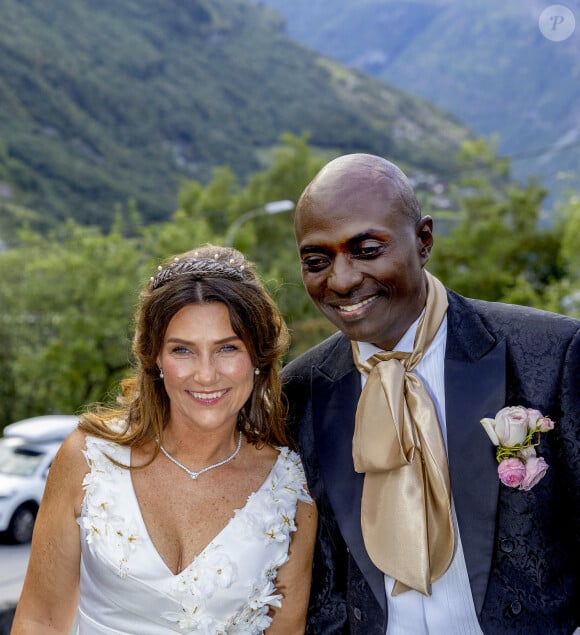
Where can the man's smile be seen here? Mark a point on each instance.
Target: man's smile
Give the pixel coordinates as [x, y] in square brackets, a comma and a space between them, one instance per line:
[349, 308]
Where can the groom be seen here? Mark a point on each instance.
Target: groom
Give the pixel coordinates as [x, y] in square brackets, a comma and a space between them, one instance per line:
[417, 534]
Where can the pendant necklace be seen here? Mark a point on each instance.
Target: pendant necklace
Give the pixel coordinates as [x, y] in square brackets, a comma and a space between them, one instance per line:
[193, 474]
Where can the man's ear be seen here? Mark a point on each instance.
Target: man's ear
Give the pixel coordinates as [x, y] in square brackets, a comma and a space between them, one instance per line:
[424, 231]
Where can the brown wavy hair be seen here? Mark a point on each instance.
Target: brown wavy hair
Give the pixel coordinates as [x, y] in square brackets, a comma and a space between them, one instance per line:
[201, 276]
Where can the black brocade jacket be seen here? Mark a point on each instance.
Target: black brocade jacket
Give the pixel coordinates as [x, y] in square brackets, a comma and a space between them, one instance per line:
[521, 548]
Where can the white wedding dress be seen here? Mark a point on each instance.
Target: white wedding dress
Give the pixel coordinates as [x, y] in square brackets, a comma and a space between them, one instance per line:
[125, 587]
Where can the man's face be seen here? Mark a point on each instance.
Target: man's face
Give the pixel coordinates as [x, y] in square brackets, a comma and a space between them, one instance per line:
[362, 261]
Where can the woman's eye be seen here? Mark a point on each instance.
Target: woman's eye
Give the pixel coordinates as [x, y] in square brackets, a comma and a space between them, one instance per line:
[228, 348]
[180, 350]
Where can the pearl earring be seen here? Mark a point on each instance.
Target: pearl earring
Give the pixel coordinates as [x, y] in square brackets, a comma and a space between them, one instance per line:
[256, 371]
[161, 375]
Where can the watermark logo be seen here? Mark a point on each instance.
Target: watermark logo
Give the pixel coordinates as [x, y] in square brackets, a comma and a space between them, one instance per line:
[557, 22]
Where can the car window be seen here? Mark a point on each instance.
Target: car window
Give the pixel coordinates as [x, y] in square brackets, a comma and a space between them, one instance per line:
[19, 460]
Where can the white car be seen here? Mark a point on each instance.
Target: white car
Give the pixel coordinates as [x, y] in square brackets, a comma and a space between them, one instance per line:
[26, 453]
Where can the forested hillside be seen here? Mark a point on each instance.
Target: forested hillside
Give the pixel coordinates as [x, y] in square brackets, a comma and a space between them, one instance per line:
[484, 60]
[102, 101]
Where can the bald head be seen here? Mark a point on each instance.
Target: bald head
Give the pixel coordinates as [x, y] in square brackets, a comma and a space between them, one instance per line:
[352, 174]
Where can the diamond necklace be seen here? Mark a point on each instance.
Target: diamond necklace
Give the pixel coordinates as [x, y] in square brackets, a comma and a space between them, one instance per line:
[193, 474]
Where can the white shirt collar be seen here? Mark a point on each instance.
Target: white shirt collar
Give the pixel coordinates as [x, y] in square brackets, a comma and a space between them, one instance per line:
[405, 344]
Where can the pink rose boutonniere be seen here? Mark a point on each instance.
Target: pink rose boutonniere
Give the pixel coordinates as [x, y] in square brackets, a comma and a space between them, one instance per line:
[515, 431]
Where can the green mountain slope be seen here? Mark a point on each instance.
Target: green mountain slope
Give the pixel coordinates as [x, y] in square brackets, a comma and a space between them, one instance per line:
[106, 100]
[484, 60]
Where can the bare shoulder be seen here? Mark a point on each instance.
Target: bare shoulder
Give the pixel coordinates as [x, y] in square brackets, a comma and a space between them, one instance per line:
[71, 452]
[69, 468]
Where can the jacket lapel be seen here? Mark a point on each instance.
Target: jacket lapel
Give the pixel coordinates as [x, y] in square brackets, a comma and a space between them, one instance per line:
[335, 390]
[475, 381]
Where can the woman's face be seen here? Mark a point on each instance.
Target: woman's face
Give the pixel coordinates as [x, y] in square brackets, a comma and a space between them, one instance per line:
[208, 372]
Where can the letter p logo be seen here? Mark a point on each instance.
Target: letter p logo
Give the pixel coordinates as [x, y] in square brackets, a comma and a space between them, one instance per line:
[557, 23]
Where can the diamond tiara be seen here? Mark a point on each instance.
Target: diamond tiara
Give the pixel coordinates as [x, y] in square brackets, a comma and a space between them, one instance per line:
[202, 266]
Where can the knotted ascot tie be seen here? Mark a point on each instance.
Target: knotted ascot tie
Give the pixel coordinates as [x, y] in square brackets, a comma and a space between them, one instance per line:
[406, 503]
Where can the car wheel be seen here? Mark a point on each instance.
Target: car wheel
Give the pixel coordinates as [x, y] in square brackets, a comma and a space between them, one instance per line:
[22, 524]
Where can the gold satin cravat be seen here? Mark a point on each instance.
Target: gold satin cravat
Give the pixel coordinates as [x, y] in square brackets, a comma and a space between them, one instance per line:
[406, 504]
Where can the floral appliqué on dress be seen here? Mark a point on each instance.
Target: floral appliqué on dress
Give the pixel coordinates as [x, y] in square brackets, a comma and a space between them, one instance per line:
[255, 540]
[103, 521]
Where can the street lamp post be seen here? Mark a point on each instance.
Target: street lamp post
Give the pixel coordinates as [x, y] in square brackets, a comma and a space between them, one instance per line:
[273, 207]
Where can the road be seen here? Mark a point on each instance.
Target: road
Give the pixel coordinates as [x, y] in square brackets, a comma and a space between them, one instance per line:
[13, 561]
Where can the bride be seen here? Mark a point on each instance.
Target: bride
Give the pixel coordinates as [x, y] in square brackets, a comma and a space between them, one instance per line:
[181, 509]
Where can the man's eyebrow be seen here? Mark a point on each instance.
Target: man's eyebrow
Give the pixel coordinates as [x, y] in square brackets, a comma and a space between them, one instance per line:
[313, 249]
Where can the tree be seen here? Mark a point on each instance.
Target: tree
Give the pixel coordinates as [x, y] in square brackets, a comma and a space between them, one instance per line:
[67, 301]
[563, 294]
[211, 203]
[497, 250]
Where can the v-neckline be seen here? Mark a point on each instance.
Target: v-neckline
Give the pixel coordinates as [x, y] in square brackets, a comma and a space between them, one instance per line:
[235, 515]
